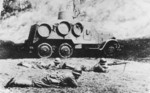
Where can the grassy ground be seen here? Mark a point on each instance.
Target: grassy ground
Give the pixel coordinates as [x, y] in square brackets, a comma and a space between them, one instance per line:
[133, 80]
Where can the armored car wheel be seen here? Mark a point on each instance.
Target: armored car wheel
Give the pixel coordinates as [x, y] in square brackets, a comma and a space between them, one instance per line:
[65, 50]
[44, 50]
[110, 50]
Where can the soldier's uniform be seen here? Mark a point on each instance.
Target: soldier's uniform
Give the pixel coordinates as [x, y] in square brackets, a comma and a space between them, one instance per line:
[65, 80]
[58, 64]
[35, 65]
[101, 66]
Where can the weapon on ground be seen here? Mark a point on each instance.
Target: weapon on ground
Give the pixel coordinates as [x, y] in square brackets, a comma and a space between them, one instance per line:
[70, 67]
[117, 63]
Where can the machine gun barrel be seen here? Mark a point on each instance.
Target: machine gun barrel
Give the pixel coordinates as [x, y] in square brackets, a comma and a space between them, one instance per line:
[70, 67]
[117, 63]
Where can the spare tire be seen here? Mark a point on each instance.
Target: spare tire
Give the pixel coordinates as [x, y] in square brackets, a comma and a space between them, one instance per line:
[44, 30]
[63, 28]
[77, 29]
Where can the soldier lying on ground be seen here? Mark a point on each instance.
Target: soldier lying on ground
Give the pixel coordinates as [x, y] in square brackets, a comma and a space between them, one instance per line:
[57, 64]
[35, 65]
[101, 66]
[62, 65]
[64, 80]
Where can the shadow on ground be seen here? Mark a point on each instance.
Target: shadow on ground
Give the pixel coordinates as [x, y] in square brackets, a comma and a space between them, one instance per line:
[131, 49]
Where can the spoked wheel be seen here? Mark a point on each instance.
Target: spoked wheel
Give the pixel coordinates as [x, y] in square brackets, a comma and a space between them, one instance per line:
[65, 50]
[110, 50]
[44, 50]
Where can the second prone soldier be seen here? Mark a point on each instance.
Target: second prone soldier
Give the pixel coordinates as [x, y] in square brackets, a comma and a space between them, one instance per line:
[101, 66]
[57, 64]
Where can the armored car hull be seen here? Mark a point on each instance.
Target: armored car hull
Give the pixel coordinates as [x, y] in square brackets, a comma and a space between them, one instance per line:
[64, 37]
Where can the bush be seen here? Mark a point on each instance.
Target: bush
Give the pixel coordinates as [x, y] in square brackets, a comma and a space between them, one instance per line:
[12, 7]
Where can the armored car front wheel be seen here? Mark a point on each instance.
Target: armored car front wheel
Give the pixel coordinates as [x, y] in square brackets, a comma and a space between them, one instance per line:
[65, 50]
[44, 50]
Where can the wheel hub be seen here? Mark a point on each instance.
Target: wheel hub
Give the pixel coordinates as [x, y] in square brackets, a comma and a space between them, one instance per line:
[111, 50]
[65, 50]
[44, 50]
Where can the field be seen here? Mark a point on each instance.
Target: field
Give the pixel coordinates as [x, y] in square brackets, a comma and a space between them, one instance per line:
[134, 79]
[124, 18]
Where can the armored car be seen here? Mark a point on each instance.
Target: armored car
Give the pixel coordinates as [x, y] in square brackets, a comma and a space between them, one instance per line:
[64, 37]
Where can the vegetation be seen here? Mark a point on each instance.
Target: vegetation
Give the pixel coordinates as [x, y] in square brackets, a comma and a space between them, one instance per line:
[13, 7]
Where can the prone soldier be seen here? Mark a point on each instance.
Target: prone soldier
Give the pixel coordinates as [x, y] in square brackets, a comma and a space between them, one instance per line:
[62, 65]
[57, 64]
[101, 66]
[64, 80]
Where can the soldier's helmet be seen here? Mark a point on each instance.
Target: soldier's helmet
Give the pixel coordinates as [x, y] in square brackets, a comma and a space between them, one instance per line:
[103, 61]
[83, 67]
[77, 71]
[57, 61]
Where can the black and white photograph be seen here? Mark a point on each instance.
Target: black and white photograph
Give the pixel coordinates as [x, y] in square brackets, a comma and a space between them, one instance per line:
[74, 46]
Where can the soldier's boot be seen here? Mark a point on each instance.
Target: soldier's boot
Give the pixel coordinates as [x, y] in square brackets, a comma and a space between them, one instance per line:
[9, 83]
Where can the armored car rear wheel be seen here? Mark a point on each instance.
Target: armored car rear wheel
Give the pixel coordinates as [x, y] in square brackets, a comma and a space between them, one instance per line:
[44, 50]
[110, 50]
[65, 50]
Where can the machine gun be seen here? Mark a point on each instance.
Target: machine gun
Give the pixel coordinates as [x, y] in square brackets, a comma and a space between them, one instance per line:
[117, 63]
